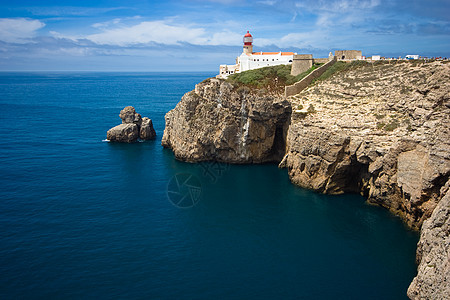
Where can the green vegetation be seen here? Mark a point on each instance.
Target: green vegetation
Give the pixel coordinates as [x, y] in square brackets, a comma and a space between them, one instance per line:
[392, 125]
[276, 77]
[339, 67]
[379, 117]
[311, 109]
[380, 125]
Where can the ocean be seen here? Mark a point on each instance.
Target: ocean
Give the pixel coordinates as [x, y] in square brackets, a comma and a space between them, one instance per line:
[84, 218]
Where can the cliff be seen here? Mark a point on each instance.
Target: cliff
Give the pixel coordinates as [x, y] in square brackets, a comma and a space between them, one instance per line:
[382, 130]
[218, 121]
[433, 252]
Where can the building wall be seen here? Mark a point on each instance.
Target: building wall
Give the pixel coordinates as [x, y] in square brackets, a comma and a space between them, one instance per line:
[322, 60]
[348, 54]
[301, 63]
[256, 61]
[302, 84]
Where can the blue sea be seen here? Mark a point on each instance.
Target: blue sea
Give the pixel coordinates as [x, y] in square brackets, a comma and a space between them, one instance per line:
[84, 218]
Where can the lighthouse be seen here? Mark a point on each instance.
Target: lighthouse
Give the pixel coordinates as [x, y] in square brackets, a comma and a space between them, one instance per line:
[250, 60]
[248, 43]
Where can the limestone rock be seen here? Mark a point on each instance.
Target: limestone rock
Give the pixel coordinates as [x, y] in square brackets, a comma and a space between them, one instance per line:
[383, 131]
[129, 115]
[124, 133]
[132, 128]
[433, 255]
[146, 132]
[219, 122]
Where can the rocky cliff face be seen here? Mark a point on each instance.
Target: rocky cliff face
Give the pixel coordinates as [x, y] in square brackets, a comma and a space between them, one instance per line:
[433, 253]
[382, 130]
[219, 122]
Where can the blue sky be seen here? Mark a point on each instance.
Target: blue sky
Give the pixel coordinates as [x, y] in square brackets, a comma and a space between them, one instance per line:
[199, 35]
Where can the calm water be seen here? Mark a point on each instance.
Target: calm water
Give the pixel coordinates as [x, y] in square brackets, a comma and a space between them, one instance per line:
[80, 217]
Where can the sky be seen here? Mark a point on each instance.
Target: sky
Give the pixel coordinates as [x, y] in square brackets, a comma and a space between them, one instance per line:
[199, 35]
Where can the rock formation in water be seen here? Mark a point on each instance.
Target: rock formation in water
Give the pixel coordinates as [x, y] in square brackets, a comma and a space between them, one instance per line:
[219, 122]
[382, 130]
[132, 128]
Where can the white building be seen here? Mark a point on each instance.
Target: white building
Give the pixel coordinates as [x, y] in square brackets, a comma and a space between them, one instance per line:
[412, 56]
[250, 60]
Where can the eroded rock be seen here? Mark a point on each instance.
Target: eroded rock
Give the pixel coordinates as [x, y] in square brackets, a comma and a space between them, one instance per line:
[124, 133]
[383, 132]
[433, 252]
[147, 132]
[219, 122]
[132, 128]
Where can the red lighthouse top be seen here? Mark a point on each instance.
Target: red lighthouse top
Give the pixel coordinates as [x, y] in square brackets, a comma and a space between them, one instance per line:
[248, 39]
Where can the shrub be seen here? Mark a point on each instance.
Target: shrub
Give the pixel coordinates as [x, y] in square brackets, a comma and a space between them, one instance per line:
[392, 125]
[311, 109]
[276, 77]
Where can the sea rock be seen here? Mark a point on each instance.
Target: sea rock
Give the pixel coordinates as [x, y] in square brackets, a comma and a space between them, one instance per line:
[219, 122]
[124, 133]
[146, 132]
[132, 128]
[129, 115]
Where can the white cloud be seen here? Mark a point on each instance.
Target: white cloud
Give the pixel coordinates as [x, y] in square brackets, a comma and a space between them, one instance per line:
[116, 33]
[147, 32]
[18, 30]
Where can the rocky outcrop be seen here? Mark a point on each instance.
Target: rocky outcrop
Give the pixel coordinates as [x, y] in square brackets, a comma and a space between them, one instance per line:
[124, 133]
[220, 122]
[383, 131]
[130, 116]
[433, 253]
[132, 128]
[147, 132]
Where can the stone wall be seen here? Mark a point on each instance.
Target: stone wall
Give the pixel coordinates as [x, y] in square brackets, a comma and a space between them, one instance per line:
[301, 63]
[322, 60]
[302, 84]
[348, 54]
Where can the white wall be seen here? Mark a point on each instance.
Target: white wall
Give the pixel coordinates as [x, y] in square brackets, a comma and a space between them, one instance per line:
[256, 61]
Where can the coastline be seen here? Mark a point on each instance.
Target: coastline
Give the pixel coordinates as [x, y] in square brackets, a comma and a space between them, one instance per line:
[338, 139]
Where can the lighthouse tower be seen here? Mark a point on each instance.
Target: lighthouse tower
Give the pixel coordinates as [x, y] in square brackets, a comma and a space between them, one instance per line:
[248, 40]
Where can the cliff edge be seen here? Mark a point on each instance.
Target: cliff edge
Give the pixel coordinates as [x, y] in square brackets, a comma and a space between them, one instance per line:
[379, 129]
[218, 121]
[382, 130]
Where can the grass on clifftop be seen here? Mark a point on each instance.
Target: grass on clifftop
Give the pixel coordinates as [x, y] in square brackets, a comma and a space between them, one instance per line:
[342, 66]
[276, 77]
